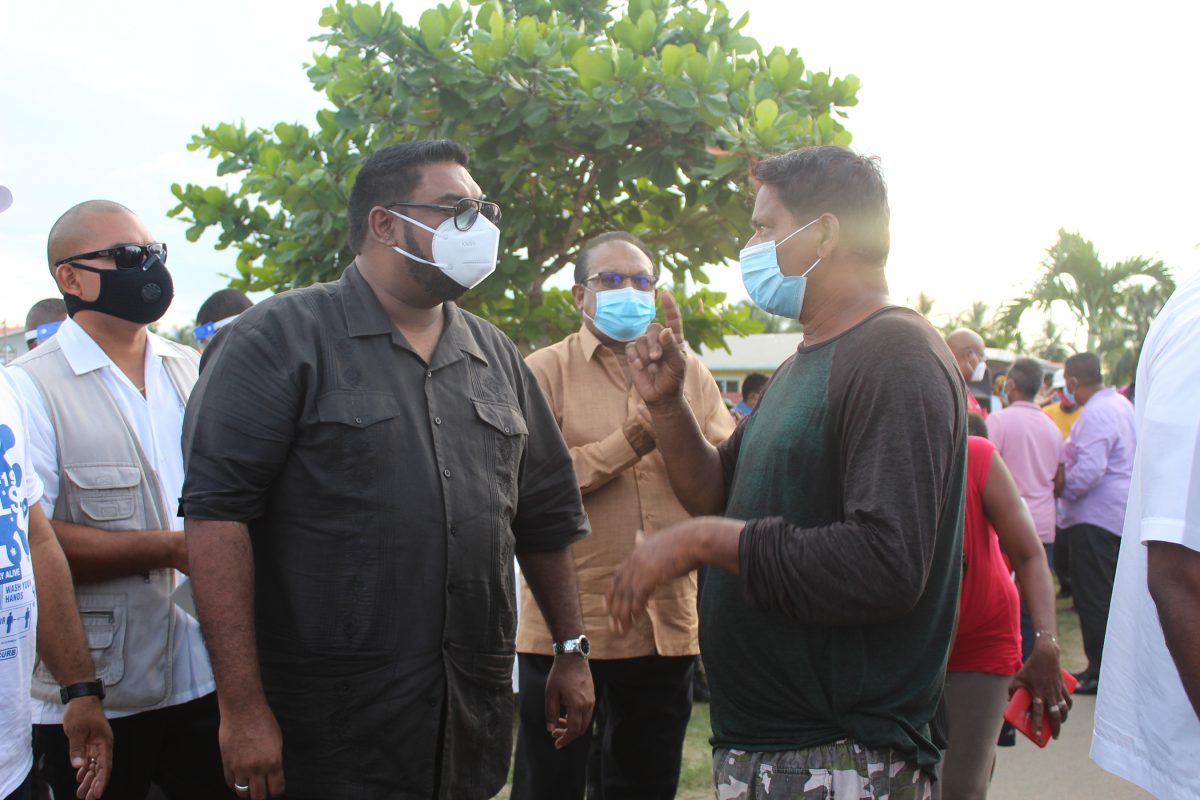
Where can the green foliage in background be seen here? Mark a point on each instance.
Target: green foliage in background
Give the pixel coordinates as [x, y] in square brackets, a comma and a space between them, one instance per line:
[581, 117]
[1113, 303]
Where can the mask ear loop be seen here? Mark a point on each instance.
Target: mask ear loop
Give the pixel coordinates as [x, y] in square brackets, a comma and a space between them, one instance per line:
[793, 233]
[419, 224]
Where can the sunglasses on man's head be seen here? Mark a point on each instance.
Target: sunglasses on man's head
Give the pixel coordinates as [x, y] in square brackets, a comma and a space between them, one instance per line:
[125, 256]
[614, 280]
[465, 211]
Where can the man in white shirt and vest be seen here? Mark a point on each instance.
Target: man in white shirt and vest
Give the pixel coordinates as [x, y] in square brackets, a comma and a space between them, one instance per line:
[105, 401]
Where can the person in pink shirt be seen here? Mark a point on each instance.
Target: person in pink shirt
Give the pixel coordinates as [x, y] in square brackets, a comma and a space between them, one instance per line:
[1031, 446]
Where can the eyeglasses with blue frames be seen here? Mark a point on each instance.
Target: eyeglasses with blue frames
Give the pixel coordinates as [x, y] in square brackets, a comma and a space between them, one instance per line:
[465, 211]
[615, 280]
[125, 256]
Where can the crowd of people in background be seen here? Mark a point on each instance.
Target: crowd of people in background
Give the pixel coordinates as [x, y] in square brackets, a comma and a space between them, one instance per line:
[285, 566]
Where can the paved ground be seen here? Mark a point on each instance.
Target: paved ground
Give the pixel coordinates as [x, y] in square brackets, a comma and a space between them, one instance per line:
[1063, 770]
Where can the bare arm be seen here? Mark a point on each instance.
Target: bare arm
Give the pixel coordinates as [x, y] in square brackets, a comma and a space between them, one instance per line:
[570, 696]
[1173, 575]
[658, 367]
[62, 645]
[223, 582]
[96, 555]
[1041, 674]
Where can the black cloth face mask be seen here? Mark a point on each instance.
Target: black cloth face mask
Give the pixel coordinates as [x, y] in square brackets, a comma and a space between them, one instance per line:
[140, 295]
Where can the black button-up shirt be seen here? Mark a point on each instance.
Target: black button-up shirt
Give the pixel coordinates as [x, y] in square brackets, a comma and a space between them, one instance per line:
[385, 499]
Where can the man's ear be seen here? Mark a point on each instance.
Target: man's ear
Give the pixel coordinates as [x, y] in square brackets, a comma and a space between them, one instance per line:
[579, 294]
[830, 228]
[67, 278]
[381, 225]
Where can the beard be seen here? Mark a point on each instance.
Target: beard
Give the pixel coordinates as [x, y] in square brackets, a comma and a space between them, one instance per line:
[436, 283]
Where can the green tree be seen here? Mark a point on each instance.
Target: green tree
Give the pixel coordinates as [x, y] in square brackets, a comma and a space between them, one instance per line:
[1121, 344]
[1095, 293]
[581, 117]
[1049, 344]
[994, 329]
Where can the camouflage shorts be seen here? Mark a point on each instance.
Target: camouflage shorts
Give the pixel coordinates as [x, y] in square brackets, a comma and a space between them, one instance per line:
[839, 771]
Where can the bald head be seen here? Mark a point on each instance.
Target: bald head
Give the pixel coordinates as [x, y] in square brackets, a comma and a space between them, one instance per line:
[74, 232]
[967, 347]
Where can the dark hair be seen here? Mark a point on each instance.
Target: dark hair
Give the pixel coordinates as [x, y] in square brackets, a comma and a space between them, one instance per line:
[222, 304]
[1085, 367]
[976, 426]
[754, 382]
[390, 175]
[816, 180]
[1027, 375]
[51, 309]
[585, 252]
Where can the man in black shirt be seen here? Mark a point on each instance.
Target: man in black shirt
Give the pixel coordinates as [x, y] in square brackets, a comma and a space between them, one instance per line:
[826, 625]
[364, 459]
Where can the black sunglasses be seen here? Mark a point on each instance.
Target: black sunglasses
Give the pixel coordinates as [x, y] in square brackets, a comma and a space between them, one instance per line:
[125, 256]
[465, 211]
[614, 280]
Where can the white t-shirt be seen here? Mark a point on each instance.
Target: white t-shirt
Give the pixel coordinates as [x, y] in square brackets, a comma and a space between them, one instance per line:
[1146, 729]
[19, 489]
[157, 419]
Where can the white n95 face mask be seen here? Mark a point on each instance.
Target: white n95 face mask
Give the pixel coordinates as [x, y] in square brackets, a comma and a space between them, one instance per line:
[979, 371]
[467, 257]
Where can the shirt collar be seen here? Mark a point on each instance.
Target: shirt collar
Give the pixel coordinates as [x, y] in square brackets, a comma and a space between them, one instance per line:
[84, 355]
[365, 317]
[588, 341]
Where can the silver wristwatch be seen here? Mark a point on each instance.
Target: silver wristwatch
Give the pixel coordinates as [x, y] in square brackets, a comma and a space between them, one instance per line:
[581, 646]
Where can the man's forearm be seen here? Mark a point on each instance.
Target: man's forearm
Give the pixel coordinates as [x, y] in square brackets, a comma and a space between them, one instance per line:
[551, 577]
[1173, 576]
[693, 465]
[61, 642]
[222, 564]
[96, 555]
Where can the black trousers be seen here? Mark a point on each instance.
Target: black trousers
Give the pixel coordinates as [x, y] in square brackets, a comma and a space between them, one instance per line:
[643, 706]
[1062, 560]
[1094, 554]
[175, 748]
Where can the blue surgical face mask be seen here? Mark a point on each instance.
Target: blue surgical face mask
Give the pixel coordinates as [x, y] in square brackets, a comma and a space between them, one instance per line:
[623, 314]
[1067, 393]
[769, 288]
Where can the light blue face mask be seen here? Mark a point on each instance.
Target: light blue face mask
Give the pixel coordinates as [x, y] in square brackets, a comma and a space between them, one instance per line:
[623, 314]
[769, 288]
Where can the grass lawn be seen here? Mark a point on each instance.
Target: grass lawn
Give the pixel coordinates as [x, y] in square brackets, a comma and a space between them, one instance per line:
[695, 780]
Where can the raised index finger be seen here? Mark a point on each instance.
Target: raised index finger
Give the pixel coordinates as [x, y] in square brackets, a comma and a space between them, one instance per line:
[672, 316]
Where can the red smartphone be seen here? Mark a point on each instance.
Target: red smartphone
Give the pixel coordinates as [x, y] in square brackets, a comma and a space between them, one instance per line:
[1017, 712]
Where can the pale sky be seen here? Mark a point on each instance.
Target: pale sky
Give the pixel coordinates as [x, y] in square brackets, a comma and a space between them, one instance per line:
[996, 125]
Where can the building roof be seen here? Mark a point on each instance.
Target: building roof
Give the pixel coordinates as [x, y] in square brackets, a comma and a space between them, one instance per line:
[760, 352]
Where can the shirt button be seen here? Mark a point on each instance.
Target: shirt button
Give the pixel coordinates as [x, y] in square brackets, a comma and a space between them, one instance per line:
[446, 473]
[433, 701]
[358, 420]
[428, 374]
[437, 420]
[507, 429]
[453, 530]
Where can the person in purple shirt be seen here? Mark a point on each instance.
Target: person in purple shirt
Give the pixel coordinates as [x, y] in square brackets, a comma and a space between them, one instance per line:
[1093, 490]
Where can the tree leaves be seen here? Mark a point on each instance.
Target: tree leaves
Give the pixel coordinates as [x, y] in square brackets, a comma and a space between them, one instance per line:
[580, 118]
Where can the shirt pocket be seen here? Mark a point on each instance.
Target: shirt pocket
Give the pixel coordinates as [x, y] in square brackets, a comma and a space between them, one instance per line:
[349, 423]
[108, 493]
[504, 446]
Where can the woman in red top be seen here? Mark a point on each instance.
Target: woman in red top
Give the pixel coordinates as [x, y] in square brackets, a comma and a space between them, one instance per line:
[985, 661]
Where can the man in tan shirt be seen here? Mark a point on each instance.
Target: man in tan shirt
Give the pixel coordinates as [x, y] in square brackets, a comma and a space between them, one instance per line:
[643, 678]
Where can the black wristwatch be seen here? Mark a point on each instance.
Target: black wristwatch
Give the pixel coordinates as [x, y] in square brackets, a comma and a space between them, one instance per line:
[86, 689]
[581, 646]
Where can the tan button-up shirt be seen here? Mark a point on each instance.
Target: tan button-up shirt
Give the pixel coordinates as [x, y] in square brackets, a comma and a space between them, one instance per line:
[622, 493]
